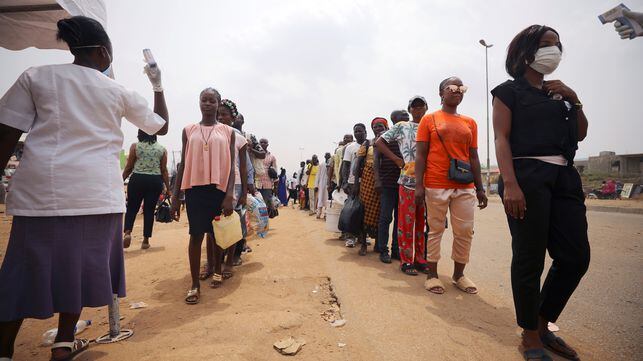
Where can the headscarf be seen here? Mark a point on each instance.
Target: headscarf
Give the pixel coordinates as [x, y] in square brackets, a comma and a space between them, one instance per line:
[379, 120]
[230, 105]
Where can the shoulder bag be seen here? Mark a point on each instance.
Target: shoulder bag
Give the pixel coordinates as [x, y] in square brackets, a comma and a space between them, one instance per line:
[459, 170]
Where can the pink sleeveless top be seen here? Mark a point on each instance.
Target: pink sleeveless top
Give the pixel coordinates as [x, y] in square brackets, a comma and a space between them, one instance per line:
[207, 164]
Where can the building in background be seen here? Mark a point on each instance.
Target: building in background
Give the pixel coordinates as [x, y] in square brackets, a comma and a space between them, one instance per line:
[621, 166]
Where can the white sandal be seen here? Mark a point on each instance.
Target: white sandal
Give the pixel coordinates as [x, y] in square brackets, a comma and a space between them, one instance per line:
[466, 285]
[79, 345]
[433, 284]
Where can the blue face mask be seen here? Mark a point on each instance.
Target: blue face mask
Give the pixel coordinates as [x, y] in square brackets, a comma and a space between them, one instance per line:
[109, 72]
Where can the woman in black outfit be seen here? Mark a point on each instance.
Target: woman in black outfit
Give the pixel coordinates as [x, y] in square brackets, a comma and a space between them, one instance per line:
[147, 165]
[538, 125]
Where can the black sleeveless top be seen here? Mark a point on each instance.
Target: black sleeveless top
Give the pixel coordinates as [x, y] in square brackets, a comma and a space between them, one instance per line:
[540, 125]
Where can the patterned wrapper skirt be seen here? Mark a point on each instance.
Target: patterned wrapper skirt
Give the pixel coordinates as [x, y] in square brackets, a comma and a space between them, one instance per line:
[370, 199]
[61, 264]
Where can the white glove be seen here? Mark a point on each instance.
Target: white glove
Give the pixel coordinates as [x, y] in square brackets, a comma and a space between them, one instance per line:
[625, 31]
[154, 74]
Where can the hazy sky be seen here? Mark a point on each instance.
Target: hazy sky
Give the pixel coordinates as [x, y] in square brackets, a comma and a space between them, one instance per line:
[303, 72]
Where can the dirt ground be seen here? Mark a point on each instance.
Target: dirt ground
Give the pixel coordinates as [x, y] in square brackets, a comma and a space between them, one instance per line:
[301, 277]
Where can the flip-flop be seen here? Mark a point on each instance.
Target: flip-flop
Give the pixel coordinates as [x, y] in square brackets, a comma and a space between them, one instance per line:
[466, 285]
[79, 345]
[193, 296]
[536, 354]
[433, 284]
[558, 346]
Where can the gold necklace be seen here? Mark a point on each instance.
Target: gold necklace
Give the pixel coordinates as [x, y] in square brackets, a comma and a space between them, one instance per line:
[206, 148]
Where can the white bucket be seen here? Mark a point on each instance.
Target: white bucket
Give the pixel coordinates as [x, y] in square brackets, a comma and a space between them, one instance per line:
[332, 218]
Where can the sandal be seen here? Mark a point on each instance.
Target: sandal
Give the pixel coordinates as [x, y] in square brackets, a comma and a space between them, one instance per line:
[193, 296]
[206, 272]
[227, 274]
[79, 345]
[408, 269]
[422, 267]
[217, 281]
[558, 346]
[466, 285]
[434, 285]
[536, 354]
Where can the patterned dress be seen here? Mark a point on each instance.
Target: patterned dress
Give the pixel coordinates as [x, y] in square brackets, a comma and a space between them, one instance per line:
[367, 194]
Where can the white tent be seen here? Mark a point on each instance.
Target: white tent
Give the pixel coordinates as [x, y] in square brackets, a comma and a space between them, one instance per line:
[26, 23]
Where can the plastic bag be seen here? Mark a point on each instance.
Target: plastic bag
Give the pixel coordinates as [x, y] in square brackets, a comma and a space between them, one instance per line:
[257, 214]
[351, 219]
[339, 197]
[276, 203]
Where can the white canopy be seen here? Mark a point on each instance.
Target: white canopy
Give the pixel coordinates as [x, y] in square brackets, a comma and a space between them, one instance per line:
[25, 23]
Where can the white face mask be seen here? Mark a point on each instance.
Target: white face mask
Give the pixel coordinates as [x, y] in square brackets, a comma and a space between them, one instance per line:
[546, 59]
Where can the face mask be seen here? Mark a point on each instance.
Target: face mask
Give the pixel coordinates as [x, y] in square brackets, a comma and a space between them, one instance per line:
[546, 60]
[108, 71]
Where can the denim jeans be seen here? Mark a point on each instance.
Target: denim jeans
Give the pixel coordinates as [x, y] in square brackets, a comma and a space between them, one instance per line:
[388, 213]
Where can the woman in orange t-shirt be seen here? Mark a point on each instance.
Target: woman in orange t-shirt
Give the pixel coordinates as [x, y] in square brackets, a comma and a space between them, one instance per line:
[445, 135]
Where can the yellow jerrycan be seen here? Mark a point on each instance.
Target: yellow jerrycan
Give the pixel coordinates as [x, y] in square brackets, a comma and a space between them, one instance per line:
[227, 230]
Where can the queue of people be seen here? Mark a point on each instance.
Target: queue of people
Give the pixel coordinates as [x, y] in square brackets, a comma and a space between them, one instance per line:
[412, 172]
[426, 165]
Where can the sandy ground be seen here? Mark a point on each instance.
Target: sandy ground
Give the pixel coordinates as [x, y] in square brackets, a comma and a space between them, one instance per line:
[287, 286]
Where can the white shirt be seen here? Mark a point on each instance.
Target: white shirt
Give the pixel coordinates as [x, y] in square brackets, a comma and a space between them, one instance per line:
[350, 153]
[70, 165]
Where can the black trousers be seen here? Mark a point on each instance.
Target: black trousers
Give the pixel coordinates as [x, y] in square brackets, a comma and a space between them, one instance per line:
[555, 221]
[146, 189]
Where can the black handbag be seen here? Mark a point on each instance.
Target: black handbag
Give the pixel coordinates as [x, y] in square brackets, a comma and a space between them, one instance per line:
[272, 173]
[163, 213]
[351, 219]
[459, 170]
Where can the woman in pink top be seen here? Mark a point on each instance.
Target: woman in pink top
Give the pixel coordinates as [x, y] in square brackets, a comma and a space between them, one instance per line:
[206, 175]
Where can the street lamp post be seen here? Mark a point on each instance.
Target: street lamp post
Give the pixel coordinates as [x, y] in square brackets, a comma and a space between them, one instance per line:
[486, 63]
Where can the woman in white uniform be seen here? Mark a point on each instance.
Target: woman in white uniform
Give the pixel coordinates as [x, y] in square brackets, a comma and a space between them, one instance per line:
[65, 249]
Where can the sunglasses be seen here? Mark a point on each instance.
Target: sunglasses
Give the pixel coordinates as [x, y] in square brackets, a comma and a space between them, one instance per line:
[457, 89]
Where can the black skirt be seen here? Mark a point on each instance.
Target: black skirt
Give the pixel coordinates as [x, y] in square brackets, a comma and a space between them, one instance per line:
[202, 204]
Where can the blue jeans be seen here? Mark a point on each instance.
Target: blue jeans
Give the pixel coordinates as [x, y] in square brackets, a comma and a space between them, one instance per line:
[388, 213]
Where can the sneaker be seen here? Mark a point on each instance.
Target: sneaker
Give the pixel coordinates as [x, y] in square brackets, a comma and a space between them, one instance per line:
[350, 243]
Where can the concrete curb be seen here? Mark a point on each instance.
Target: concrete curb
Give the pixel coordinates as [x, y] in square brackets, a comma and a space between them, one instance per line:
[615, 209]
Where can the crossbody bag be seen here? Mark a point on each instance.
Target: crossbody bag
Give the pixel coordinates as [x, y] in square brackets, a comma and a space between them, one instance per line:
[459, 170]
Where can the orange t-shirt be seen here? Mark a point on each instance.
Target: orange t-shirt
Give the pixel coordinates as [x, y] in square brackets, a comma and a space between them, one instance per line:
[459, 133]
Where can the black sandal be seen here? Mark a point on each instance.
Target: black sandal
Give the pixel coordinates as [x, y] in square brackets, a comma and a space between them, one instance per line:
[422, 267]
[408, 269]
[536, 354]
[558, 346]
